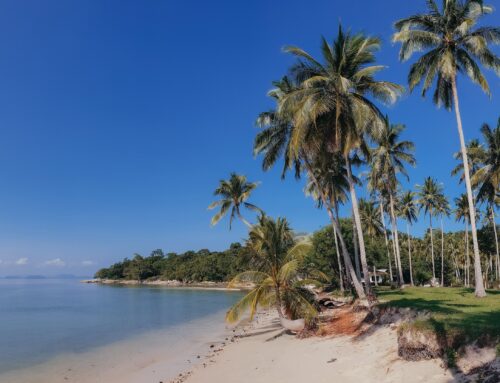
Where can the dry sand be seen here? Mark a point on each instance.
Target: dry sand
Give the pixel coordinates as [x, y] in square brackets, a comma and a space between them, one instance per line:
[258, 358]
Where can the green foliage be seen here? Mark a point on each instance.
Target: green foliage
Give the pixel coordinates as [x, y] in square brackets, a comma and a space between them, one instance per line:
[190, 266]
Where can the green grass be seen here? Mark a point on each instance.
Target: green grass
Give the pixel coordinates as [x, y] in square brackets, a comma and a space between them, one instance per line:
[455, 313]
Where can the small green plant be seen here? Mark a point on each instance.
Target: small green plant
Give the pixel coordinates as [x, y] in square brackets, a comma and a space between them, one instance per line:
[451, 357]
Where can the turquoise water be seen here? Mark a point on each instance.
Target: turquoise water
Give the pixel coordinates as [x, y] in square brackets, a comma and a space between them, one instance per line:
[41, 319]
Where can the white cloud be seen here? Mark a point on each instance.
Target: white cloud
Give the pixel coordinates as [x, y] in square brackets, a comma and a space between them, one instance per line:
[22, 261]
[87, 263]
[55, 262]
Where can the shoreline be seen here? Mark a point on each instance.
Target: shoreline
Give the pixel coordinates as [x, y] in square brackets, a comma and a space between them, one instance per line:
[155, 356]
[217, 286]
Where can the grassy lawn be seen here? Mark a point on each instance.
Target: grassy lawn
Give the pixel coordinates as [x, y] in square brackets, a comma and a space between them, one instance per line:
[456, 313]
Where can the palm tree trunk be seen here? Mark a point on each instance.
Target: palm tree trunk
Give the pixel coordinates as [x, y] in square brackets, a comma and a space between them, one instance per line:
[382, 218]
[467, 259]
[442, 253]
[357, 219]
[409, 253]
[432, 250]
[497, 259]
[347, 259]
[479, 285]
[341, 277]
[396, 240]
[356, 246]
[278, 301]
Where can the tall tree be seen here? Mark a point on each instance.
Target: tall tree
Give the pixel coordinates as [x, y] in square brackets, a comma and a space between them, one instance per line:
[387, 161]
[462, 214]
[487, 179]
[275, 141]
[330, 172]
[430, 195]
[234, 194]
[408, 210]
[333, 102]
[443, 209]
[453, 44]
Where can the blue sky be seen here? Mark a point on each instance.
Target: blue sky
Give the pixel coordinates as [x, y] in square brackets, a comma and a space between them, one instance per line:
[118, 117]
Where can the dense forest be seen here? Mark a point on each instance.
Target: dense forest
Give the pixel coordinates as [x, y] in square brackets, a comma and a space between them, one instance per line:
[205, 265]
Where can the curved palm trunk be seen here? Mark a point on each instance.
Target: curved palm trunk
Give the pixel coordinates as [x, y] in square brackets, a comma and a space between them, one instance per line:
[356, 246]
[409, 253]
[382, 218]
[396, 240]
[497, 259]
[442, 253]
[347, 259]
[341, 276]
[432, 249]
[362, 250]
[479, 285]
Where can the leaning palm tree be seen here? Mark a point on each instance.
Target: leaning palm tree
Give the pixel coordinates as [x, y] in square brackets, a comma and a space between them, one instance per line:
[462, 214]
[443, 209]
[280, 279]
[429, 196]
[275, 141]
[330, 172]
[387, 161]
[408, 210]
[453, 46]
[234, 194]
[487, 178]
[333, 104]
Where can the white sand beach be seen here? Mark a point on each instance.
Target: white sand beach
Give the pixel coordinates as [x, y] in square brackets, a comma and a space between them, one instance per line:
[258, 358]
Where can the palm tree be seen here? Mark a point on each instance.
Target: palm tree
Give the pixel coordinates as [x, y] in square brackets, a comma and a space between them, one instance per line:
[330, 171]
[388, 159]
[462, 214]
[453, 45]
[376, 188]
[430, 194]
[234, 194]
[370, 218]
[275, 141]
[332, 103]
[409, 211]
[443, 209]
[280, 279]
[487, 178]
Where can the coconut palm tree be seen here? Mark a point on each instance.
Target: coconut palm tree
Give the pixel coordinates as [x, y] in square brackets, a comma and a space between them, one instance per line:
[408, 210]
[453, 46]
[279, 280]
[377, 190]
[275, 141]
[462, 214]
[331, 173]
[443, 209]
[430, 195]
[234, 194]
[333, 102]
[370, 219]
[387, 161]
[487, 178]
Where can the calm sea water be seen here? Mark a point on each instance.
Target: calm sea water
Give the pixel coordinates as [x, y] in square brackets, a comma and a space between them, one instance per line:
[41, 319]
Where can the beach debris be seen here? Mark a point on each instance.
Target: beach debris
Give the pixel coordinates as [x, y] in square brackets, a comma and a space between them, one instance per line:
[332, 360]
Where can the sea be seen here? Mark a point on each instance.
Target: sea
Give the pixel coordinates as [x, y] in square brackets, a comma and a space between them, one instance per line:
[47, 320]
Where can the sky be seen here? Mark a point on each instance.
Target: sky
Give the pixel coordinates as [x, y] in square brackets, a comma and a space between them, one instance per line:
[118, 118]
